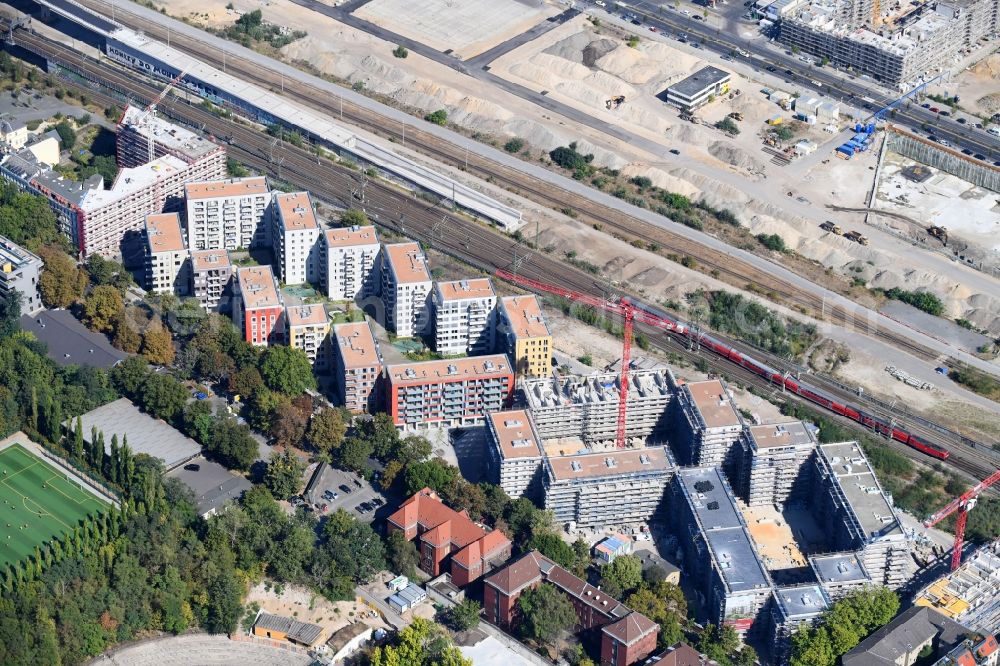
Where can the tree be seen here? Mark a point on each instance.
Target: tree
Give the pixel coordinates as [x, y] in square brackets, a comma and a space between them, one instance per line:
[657, 609]
[246, 382]
[233, 445]
[287, 370]
[420, 644]
[129, 375]
[67, 137]
[439, 117]
[463, 616]
[354, 217]
[435, 474]
[400, 51]
[354, 547]
[625, 572]
[284, 474]
[514, 145]
[163, 396]
[327, 430]
[354, 453]
[126, 337]
[401, 554]
[553, 547]
[157, 344]
[61, 282]
[288, 424]
[224, 605]
[102, 308]
[547, 612]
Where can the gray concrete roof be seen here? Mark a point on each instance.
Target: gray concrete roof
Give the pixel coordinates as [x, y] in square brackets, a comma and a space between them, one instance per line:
[69, 341]
[905, 634]
[709, 497]
[800, 602]
[838, 568]
[697, 82]
[861, 489]
[213, 485]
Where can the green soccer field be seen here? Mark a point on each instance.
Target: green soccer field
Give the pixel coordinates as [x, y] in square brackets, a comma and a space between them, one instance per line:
[37, 503]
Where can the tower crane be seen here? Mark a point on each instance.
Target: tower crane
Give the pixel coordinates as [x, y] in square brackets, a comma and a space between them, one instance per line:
[149, 112]
[962, 504]
[621, 306]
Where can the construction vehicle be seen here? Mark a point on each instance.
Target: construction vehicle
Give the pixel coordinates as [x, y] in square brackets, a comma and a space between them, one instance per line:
[856, 237]
[832, 228]
[614, 102]
[962, 505]
[941, 233]
[736, 115]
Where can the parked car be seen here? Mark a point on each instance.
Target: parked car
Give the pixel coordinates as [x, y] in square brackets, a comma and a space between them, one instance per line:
[377, 501]
[344, 488]
[966, 151]
[674, 151]
[980, 156]
[358, 483]
[941, 370]
[771, 68]
[360, 508]
[925, 106]
[192, 467]
[961, 121]
[934, 109]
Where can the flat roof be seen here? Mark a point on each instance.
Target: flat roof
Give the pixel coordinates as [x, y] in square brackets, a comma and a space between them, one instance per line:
[838, 568]
[525, 316]
[69, 342]
[296, 211]
[737, 559]
[407, 261]
[775, 435]
[167, 134]
[611, 463]
[596, 388]
[705, 77]
[212, 484]
[12, 253]
[709, 497]
[357, 345]
[232, 187]
[801, 602]
[459, 290]
[258, 288]
[163, 233]
[145, 434]
[861, 488]
[712, 401]
[449, 370]
[351, 236]
[128, 182]
[206, 260]
[306, 315]
[515, 434]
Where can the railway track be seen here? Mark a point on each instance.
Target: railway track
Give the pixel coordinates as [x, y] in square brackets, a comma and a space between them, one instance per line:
[397, 210]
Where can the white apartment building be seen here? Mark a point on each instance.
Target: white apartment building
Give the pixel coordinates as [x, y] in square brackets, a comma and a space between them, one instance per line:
[709, 426]
[211, 279]
[168, 263]
[406, 286]
[515, 453]
[296, 238]
[464, 316]
[773, 459]
[357, 367]
[19, 271]
[228, 214]
[350, 255]
[308, 330]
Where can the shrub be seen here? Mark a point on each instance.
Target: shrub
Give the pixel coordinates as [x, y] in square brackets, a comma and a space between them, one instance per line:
[514, 145]
[728, 126]
[922, 300]
[772, 242]
[400, 51]
[439, 117]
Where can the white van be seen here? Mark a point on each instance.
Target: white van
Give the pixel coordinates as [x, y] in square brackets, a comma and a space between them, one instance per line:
[994, 130]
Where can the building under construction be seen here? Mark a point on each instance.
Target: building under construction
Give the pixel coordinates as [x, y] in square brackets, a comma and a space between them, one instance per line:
[791, 607]
[839, 574]
[586, 406]
[773, 465]
[708, 426]
[970, 595]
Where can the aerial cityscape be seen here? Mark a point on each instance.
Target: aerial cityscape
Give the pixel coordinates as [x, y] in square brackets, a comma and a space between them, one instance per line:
[500, 333]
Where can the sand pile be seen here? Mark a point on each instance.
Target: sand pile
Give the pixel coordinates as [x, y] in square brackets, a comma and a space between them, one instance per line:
[584, 47]
[990, 103]
[687, 133]
[663, 179]
[731, 154]
[988, 67]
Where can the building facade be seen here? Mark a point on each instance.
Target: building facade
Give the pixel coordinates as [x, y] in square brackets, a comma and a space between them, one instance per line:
[206, 158]
[515, 453]
[350, 256]
[698, 89]
[524, 336]
[258, 309]
[309, 330]
[19, 271]
[228, 214]
[357, 367]
[457, 392]
[168, 263]
[709, 426]
[464, 316]
[296, 238]
[793, 607]
[775, 464]
[406, 287]
[212, 279]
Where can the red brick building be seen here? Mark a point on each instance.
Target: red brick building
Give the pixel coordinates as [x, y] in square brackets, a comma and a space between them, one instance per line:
[626, 637]
[448, 540]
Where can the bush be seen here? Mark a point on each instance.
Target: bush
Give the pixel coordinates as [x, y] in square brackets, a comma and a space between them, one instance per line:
[729, 126]
[772, 242]
[980, 382]
[67, 137]
[439, 117]
[568, 158]
[784, 132]
[400, 51]
[922, 300]
[514, 145]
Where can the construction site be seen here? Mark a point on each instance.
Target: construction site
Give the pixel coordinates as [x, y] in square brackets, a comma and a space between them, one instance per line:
[970, 595]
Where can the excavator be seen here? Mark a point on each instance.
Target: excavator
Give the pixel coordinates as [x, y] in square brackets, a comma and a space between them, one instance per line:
[941, 233]
[614, 102]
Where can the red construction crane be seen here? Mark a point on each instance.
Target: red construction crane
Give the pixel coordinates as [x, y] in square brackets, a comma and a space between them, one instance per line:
[619, 306]
[962, 504]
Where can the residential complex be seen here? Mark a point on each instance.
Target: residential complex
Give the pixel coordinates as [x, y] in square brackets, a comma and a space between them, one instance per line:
[212, 279]
[621, 486]
[792, 607]
[919, 633]
[772, 462]
[258, 309]
[228, 214]
[350, 257]
[969, 595]
[515, 452]
[524, 335]
[448, 541]
[839, 574]
[168, 263]
[463, 316]
[296, 238]
[406, 287]
[709, 426]
[357, 367]
[137, 126]
[456, 392]
[19, 271]
[308, 330]
[586, 407]
[626, 637]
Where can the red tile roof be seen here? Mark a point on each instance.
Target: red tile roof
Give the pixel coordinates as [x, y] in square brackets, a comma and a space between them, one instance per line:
[682, 654]
[965, 658]
[520, 573]
[630, 628]
[987, 647]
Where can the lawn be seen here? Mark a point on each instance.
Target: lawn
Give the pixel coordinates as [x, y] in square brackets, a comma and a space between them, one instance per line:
[37, 503]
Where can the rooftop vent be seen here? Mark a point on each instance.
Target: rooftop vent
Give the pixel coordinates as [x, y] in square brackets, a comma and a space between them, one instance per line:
[452, 369]
[575, 465]
[712, 506]
[521, 443]
[512, 423]
[410, 373]
[489, 365]
[643, 459]
[611, 462]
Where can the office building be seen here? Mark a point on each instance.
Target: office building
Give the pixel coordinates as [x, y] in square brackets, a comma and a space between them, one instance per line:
[296, 239]
[309, 330]
[621, 486]
[774, 464]
[19, 271]
[357, 367]
[626, 637]
[406, 287]
[698, 89]
[228, 214]
[515, 453]
[350, 256]
[168, 263]
[456, 392]
[523, 334]
[258, 309]
[212, 279]
[463, 317]
[586, 407]
[708, 426]
[205, 158]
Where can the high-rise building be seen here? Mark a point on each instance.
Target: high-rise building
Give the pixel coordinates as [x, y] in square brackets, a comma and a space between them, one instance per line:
[206, 159]
[258, 310]
[709, 426]
[296, 238]
[308, 330]
[212, 279]
[168, 263]
[463, 316]
[406, 286]
[357, 367]
[19, 271]
[774, 464]
[228, 214]
[350, 256]
[516, 455]
[523, 334]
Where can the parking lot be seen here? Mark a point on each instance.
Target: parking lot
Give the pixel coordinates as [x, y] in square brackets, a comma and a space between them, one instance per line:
[358, 491]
